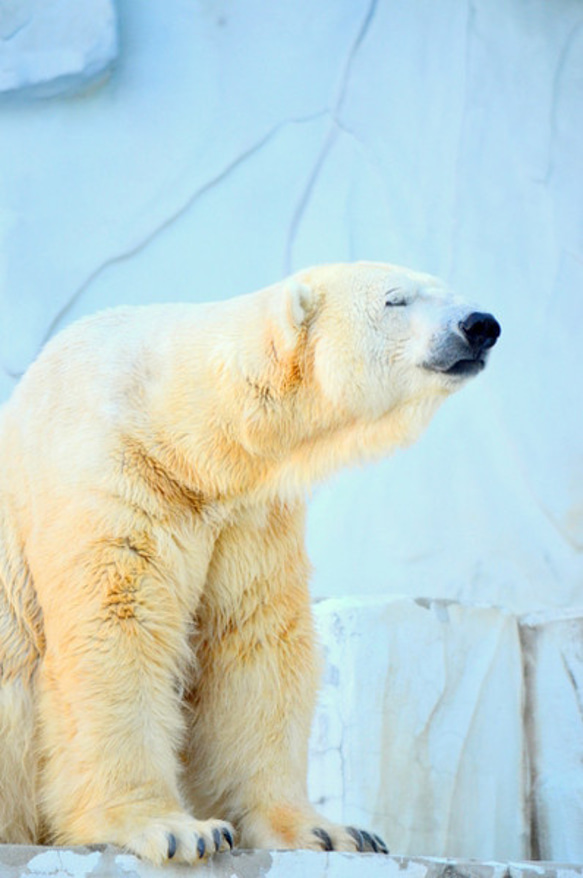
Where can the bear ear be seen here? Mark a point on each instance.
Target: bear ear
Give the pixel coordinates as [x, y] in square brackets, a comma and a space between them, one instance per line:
[301, 303]
[297, 308]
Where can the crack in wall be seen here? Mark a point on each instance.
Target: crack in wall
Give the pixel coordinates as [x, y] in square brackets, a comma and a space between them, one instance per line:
[330, 137]
[561, 66]
[13, 20]
[306, 197]
[18, 28]
[456, 197]
[573, 681]
[354, 49]
[335, 128]
[529, 655]
[230, 168]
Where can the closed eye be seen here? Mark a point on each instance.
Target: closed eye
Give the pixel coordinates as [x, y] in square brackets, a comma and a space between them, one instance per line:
[397, 300]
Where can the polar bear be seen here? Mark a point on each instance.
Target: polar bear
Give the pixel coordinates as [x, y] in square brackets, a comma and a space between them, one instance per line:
[158, 669]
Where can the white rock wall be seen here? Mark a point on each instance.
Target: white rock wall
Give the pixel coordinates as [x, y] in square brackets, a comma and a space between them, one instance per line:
[553, 652]
[452, 730]
[418, 732]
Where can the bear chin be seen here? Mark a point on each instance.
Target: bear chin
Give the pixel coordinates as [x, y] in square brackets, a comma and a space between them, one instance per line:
[465, 368]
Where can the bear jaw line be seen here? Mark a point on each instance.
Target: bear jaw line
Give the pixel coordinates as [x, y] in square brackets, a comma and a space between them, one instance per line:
[466, 367]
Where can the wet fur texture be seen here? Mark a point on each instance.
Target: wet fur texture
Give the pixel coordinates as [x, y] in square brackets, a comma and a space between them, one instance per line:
[158, 669]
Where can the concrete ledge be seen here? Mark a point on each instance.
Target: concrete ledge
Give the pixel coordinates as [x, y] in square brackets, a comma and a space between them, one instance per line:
[101, 860]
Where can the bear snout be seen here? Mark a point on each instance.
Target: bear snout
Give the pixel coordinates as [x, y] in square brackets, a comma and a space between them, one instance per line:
[480, 330]
[463, 350]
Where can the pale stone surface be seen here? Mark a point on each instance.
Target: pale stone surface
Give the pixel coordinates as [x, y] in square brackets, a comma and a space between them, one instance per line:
[418, 733]
[18, 862]
[553, 653]
[51, 47]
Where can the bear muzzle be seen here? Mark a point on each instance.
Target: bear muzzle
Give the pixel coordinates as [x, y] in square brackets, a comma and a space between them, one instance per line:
[464, 351]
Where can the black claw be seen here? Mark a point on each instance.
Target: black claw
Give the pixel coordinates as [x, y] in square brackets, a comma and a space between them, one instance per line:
[382, 846]
[201, 848]
[217, 839]
[228, 837]
[370, 841]
[171, 845]
[324, 838]
[357, 836]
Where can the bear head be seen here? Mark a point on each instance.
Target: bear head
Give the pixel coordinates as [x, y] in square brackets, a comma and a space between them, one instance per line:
[359, 357]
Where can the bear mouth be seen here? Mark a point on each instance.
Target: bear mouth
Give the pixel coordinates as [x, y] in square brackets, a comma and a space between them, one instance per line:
[465, 367]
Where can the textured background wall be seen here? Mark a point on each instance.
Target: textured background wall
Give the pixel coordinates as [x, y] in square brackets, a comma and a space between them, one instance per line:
[196, 149]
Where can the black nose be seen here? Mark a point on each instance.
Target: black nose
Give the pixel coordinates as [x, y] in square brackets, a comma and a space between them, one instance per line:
[480, 330]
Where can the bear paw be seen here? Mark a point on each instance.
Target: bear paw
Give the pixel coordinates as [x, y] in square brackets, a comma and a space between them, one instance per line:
[181, 838]
[347, 838]
[289, 827]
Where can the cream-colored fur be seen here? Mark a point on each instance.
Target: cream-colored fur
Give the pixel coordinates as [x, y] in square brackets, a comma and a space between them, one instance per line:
[157, 656]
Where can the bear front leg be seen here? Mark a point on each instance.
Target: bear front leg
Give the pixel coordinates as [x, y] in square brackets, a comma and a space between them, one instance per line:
[109, 712]
[253, 697]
